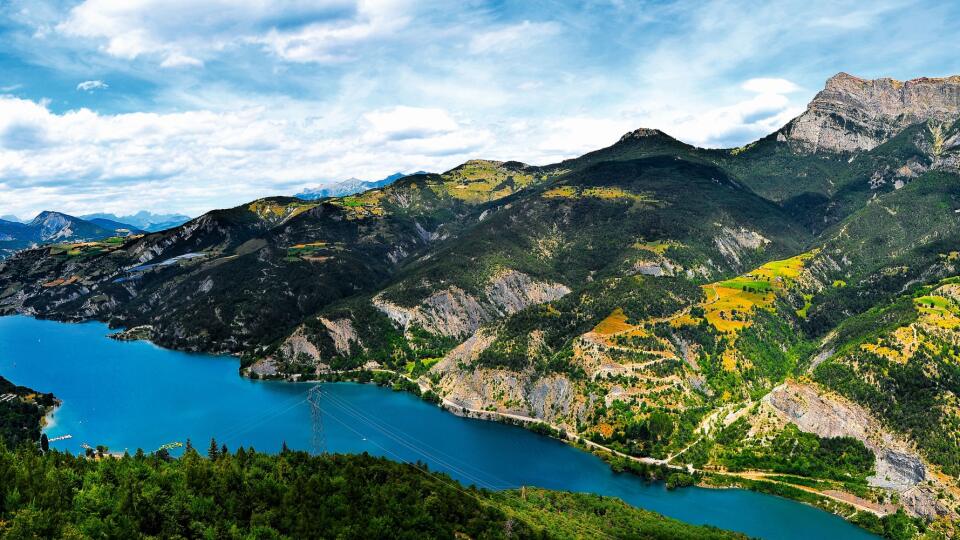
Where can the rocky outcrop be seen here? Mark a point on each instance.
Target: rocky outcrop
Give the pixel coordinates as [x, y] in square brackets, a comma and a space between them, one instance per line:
[898, 466]
[454, 312]
[734, 244]
[852, 114]
[552, 398]
[342, 333]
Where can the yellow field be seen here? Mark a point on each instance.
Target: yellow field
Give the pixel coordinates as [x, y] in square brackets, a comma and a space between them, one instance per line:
[477, 181]
[601, 192]
[272, 211]
[725, 305]
[938, 311]
[614, 323]
[730, 302]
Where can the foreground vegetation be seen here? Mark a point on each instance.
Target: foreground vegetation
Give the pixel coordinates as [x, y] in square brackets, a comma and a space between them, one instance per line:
[246, 494]
[21, 417]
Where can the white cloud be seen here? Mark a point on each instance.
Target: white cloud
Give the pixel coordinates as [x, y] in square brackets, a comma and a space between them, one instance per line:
[90, 86]
[83, 161]
[181, 33]
[330, 41]
[571, 136]
[178, 59]
[512, 37]
[399, 123]
[770, 86]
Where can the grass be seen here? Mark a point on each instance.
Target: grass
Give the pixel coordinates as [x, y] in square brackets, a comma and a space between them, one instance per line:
[426, 364]
[87, 249]
[601, 192]
[939, 311]
[730, 302]
[479, 181]
[615, 323]
[274, 211]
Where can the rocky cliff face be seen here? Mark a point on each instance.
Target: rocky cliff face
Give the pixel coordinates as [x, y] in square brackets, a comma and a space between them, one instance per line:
[455, 313]
[852, 114]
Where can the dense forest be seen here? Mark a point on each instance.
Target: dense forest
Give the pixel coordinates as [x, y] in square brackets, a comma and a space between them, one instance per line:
[247, 494]
[21, 412]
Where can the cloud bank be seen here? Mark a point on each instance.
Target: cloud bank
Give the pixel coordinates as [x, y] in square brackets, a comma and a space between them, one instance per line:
[212, 103]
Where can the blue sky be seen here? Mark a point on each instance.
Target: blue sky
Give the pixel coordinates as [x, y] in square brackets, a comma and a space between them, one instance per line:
[188, 105]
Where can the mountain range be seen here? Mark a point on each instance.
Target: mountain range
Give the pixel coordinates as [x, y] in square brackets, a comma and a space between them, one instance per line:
[785, 311]
[351, 186]
[50, 227]
[143, 220]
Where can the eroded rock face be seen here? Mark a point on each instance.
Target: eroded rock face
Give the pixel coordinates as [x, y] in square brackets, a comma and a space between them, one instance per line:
[454, 312]
[898, 466]
[852, 114]
[552, 398]
[733, 244]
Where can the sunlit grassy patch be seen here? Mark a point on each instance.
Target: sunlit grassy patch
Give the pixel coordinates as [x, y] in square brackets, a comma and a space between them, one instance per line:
[86, 249]
[562, 192]
[729, 304]
[481, 180]
[273, 211]
[600, 192]
[614, 323]
[938, 310]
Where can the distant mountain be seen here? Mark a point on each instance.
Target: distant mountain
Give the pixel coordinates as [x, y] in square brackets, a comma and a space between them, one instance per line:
[10, 217]
[143, 220]
[50, 227]
[55, 226]
[122, 228]
[351, 186]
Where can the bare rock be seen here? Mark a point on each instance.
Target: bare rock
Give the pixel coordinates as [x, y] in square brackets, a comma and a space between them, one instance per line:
[852, 114]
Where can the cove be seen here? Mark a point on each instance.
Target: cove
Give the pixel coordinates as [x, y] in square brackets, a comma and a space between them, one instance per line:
[129, 395]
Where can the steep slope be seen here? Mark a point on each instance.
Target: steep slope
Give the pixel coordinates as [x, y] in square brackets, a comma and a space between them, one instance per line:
[580, 231]
[852, 114]
[235, 279]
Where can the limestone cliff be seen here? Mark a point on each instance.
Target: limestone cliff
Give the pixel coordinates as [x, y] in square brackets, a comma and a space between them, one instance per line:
[852, 114]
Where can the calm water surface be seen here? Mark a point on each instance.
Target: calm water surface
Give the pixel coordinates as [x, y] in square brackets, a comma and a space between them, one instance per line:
[129, 395]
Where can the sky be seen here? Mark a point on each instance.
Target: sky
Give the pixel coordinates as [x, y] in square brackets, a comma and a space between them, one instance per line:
[189, 105]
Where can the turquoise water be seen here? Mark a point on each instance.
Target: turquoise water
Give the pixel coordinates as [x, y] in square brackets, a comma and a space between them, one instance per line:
[127, 395]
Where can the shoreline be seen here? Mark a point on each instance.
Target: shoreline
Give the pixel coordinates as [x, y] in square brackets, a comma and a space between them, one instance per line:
[652, 469]
[648, 469]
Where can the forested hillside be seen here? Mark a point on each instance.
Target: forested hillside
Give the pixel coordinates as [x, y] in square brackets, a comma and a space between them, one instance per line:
[246, 494]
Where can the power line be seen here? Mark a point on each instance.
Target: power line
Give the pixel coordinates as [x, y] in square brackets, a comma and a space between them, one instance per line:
[318, 440]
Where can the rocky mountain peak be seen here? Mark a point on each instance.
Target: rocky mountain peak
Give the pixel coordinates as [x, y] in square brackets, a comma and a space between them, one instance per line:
[852, 114]
[642, 133]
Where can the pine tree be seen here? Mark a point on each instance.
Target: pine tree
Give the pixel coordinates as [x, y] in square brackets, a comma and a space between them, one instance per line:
[44, 443]
[213, 452]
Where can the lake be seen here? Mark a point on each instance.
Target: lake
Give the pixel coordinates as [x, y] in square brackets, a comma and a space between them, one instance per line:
[129, 395]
